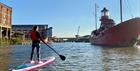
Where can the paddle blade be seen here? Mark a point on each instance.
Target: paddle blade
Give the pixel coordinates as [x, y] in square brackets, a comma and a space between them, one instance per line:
[62, 57]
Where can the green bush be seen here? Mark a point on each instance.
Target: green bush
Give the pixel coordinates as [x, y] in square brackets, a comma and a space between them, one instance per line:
[4, 42]
[16, 41]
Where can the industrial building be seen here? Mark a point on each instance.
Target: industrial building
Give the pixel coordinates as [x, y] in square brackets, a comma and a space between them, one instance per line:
[5, 21]
[44, 30]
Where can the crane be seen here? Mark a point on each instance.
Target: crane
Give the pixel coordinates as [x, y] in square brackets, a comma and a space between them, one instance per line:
[77, 35]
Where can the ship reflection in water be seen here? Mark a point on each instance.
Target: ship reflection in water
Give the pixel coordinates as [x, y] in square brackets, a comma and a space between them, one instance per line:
[83, 57]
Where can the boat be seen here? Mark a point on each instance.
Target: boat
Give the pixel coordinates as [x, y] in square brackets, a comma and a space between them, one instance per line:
[27, 66]
[125, 34]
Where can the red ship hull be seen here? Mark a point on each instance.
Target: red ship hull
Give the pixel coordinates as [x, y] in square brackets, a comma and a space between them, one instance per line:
[126, 33]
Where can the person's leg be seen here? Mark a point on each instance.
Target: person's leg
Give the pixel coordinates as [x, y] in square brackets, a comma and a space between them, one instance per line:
[37, 49]
[32, 52]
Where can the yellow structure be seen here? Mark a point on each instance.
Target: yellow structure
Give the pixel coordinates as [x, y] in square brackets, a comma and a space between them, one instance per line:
[5, 20]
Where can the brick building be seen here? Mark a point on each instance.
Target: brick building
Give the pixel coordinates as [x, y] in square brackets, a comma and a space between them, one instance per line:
[5, 20]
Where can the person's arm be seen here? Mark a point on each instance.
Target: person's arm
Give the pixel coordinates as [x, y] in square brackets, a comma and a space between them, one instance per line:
[38, 34]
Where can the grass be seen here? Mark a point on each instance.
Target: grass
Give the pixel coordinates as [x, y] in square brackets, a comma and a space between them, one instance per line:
[12, 41]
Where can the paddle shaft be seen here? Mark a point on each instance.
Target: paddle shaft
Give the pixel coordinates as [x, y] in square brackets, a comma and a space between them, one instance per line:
[52, 49]
[61, 56]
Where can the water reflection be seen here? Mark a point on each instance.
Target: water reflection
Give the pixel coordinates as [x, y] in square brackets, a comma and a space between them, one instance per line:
[83, 57]
[4, 57]
[120, 58]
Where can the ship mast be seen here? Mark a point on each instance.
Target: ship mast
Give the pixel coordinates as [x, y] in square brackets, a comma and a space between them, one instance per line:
[96, 16]
[121, 11]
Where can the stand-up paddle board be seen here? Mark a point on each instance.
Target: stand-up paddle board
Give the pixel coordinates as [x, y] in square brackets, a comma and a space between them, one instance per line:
[27, 66]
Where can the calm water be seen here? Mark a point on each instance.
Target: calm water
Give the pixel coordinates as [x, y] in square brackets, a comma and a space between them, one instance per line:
[82, 57]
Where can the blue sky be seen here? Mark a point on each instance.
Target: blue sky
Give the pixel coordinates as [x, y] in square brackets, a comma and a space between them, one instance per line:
[66, 15]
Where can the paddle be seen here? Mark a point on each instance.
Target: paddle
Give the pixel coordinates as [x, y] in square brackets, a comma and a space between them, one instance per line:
[61, 56]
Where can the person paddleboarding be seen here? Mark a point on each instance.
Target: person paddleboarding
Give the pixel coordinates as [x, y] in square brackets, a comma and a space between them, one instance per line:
[35, 37]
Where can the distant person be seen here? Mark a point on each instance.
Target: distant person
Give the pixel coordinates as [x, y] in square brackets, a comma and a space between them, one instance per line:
[35, 36]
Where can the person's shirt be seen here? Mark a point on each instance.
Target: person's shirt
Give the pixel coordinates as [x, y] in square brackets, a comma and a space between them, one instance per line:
[35, 36]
